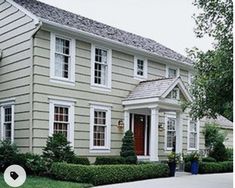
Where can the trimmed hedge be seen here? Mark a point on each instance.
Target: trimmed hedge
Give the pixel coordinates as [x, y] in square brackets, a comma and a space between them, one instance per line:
[110, 160]
[208, 159]
[215, 167]
[79, 160]
[107, 174]
[211, 167]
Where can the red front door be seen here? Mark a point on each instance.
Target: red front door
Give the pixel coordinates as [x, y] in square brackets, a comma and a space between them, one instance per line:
[139, 132]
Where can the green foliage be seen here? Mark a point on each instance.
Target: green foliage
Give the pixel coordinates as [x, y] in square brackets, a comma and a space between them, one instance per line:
[110, 160]
[8, 154]
[212, 135]
[219, 152]
[107, 174]
[194, 156]
[218, 167]
[208, 159]
[128, 148]
[173, 157]
[213, 85]
[229, 153]
[79, 160]
[58, 149]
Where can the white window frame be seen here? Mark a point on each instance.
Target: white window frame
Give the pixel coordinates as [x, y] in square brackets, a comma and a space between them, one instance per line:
[71, 74]
[167, 116]
[190, 76]
[188, 135]
[3, 104]
[172, 67]
[145, 70]
[106, 148]
[94, 85]
[69, 103]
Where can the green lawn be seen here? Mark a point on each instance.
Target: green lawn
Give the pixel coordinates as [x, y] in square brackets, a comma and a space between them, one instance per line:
[41, 182]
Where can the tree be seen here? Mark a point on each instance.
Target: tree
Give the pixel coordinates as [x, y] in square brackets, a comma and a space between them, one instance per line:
[128, 148]
[58, 149]
[212, 88]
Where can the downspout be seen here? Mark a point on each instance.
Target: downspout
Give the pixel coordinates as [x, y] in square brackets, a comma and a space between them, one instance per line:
[38, 26]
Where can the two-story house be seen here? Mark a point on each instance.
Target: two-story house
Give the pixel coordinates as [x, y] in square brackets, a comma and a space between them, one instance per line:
[61, 72]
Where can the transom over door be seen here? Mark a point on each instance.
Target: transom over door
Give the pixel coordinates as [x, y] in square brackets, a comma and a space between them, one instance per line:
[139, 133]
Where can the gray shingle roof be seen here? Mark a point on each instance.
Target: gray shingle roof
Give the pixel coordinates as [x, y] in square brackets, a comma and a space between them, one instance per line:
[63, 17]
[150, 88]
[220, 120]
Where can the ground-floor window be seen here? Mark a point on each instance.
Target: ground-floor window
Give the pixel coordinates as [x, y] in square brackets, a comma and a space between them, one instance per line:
[193, 135]
[100, 127]
[7, 121]
[170, 132]
[62, 119]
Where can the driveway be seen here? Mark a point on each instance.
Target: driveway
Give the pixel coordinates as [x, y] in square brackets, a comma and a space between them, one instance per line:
[186, 181]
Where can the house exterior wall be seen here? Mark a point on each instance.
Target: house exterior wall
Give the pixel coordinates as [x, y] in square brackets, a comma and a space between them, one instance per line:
[16, 29]
[229, 138]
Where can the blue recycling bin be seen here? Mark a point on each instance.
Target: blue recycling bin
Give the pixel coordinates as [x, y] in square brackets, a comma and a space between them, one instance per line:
[194, 167]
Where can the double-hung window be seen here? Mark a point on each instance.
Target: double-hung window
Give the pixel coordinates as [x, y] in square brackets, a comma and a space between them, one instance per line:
[61, 118]
[172, 72]
[62, 59]
[170, 132]
[193, 135]
[140, 68]
[100, 118]
[101, 67]
[7, 121]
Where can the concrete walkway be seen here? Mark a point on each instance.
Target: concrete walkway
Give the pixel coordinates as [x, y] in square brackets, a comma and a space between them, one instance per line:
[181, 181]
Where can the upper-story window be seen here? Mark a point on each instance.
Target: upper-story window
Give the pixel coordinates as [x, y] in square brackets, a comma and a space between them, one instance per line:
[140, 68]
[62, 59]
[7, 121]
[101, 67]
[172, 72]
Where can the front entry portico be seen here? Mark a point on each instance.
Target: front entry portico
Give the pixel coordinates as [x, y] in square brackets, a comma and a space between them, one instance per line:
[142, 114]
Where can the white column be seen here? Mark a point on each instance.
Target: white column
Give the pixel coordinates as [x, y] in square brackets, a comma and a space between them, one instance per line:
[126, 120]
[179, 132]
[154, 134]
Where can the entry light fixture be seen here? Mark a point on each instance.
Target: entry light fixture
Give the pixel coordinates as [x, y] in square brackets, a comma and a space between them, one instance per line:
[120, 123]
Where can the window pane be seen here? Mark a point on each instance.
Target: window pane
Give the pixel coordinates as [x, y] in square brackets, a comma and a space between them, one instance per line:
[99, 136]
[171, 122]
[101, 67]
[140, 67]
[172, 73]
[62, 46]
[61, 128]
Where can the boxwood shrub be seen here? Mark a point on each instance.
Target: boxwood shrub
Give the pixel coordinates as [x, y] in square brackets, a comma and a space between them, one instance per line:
[107, 174]
[79, 160]
[211, 167]
[208, 159]
[109, 160]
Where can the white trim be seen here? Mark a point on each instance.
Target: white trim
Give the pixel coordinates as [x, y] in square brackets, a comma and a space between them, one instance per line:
[106, 148]
[94, 103]
[198, 136]
[172, 67]
[116, 44]
[101, 87]
[167, 116]
[154, 137]
[35, 18]
[145, 68]
[10, 103]
[70, 106]
[71, 73]
[178, 81]
[7, 101]
[140, 101]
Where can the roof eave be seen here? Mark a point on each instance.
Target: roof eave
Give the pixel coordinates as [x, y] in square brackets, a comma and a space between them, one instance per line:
[116, 44]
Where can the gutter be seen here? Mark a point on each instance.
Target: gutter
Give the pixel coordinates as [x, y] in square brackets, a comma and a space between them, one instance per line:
[116, 44]
[31, 88]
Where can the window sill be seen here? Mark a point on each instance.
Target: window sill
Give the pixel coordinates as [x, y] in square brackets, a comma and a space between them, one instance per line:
[100, 87]
[62, 81]
[99, 150]
[140, 78]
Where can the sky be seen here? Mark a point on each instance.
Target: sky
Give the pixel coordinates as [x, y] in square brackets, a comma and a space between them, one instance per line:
[168, 22]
